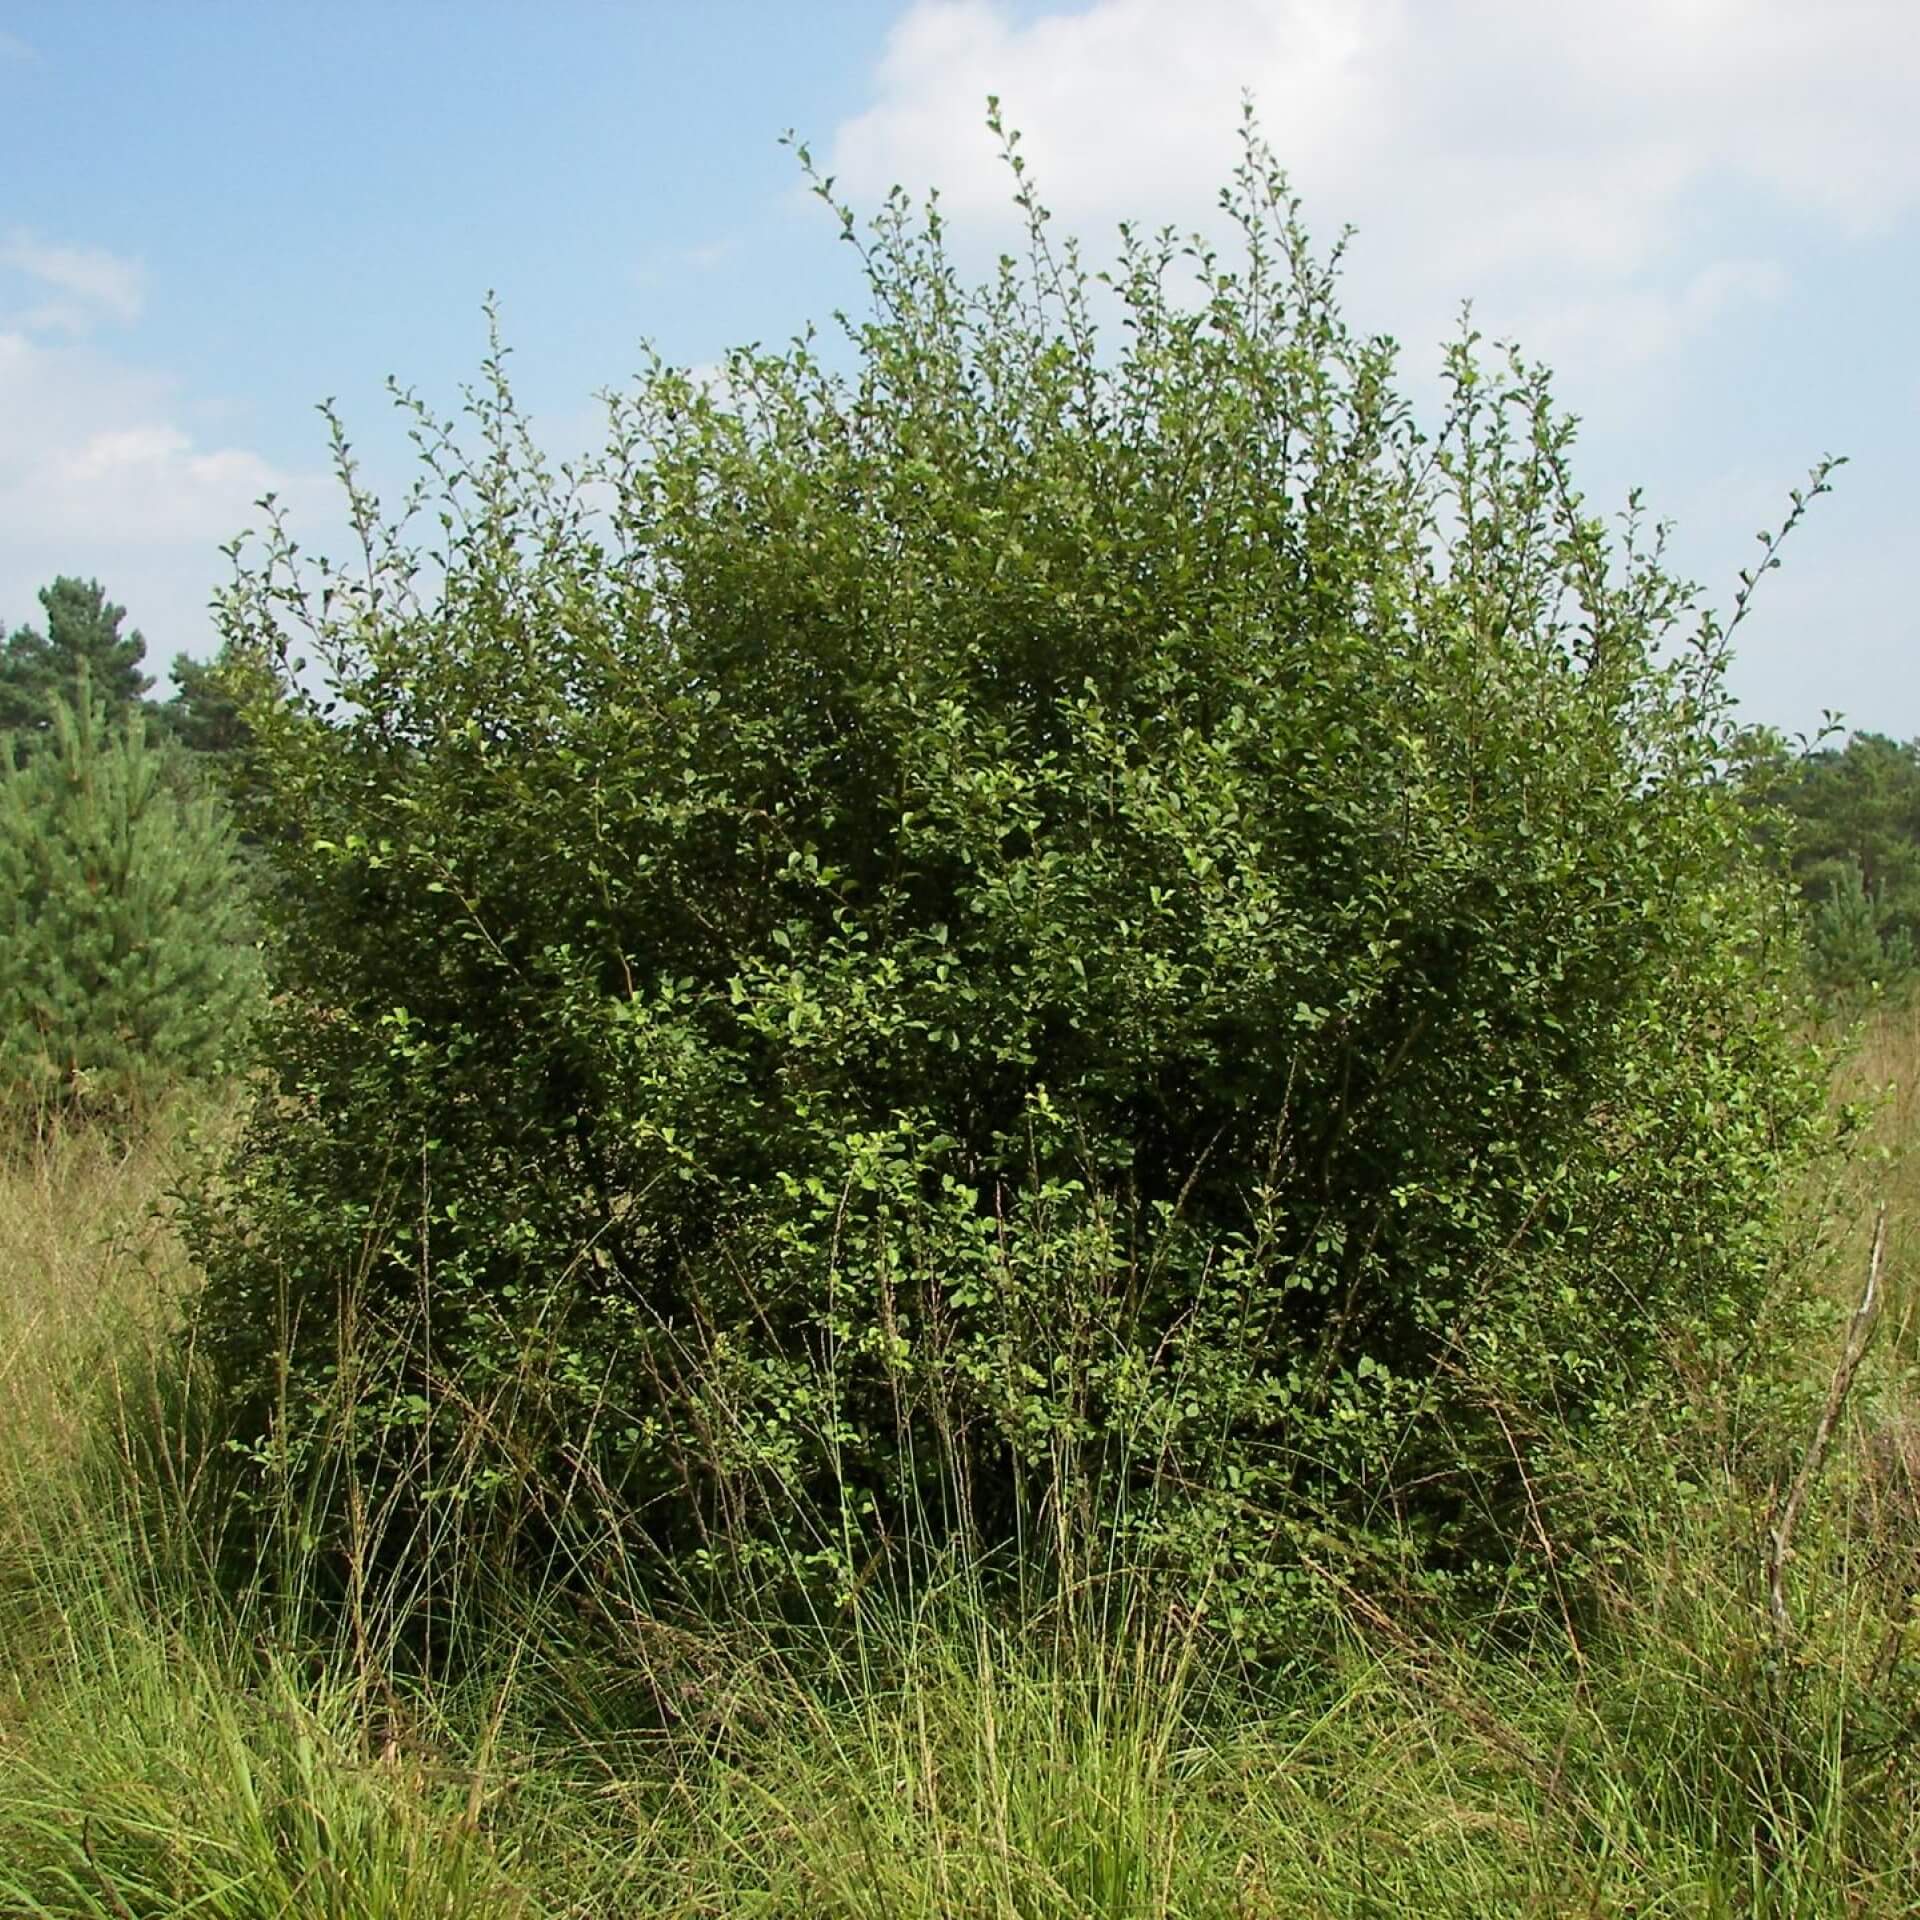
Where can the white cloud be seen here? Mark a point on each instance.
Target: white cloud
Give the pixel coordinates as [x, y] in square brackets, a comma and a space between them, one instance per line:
[671, 265]
[87, 283]
[1480, 145]
[1127, 106]
[1611, 331]
[98, 476]
[89, 448]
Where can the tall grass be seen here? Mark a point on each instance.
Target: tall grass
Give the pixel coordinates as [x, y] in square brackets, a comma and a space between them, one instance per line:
[178, 1736]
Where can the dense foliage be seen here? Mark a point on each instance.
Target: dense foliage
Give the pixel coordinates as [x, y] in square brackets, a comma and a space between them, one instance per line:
[125, 958]
[1073, 931]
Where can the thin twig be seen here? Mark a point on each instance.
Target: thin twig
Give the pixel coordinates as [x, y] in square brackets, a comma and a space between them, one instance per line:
[1860, 1328]
[113, 1896]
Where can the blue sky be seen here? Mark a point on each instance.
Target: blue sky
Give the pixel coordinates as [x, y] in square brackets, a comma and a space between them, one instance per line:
[1704, 213]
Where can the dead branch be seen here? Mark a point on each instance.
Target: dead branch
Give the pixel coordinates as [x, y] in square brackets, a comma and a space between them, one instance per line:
[1860, 1328]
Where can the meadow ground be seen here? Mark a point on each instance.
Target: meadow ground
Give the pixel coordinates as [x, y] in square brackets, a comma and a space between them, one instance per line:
[174, 1741]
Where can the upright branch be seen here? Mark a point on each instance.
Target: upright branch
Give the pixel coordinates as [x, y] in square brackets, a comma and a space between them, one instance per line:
[1860, 1328]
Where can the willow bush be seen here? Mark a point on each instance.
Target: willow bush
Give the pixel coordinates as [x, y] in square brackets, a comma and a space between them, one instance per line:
[1040, 921]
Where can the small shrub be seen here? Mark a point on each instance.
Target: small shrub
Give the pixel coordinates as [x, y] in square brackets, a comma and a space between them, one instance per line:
[126, 964]
[1852, 953]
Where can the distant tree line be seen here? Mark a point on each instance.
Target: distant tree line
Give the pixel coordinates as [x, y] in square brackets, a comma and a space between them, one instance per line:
[81, 630]
[1849, 830]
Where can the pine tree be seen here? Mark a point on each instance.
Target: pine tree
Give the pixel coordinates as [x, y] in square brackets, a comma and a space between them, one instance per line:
[82, 630]
[1854, 948]
[125, 962]
[205, 715]
[25, 673]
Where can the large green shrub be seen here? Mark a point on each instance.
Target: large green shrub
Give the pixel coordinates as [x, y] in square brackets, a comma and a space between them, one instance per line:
[126, 958]
[1013, 926]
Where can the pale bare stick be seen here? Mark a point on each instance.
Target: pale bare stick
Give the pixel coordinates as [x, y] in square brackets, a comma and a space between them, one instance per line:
[1859, 1335]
